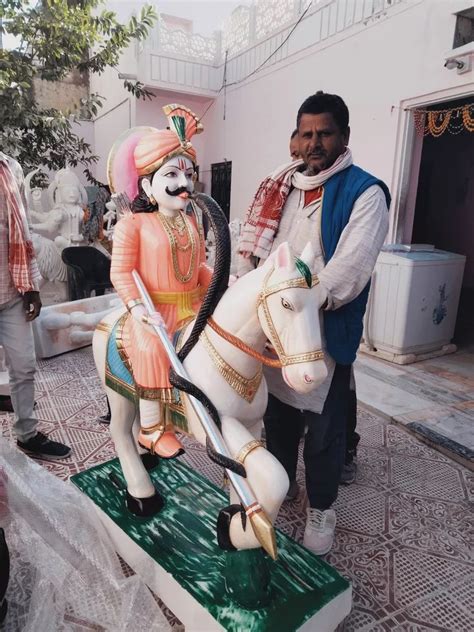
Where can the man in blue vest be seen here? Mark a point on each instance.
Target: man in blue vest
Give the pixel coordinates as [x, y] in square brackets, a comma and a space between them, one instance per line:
[343, 211]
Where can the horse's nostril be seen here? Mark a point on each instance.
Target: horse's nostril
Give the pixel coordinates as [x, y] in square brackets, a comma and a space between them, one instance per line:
[307, 379]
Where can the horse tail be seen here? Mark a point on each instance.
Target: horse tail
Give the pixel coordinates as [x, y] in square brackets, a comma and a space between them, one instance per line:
[217, 287]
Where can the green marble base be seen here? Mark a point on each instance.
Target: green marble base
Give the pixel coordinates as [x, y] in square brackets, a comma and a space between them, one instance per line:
[181, 539]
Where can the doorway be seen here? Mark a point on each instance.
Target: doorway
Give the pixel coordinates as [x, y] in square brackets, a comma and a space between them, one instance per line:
[444, 205]
[221, 185]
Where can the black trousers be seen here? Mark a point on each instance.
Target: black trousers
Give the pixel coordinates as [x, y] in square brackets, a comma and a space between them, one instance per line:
[352, 437]
[324, 443]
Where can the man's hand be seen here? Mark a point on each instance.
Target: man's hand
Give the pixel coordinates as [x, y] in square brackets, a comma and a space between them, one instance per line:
[31, 305]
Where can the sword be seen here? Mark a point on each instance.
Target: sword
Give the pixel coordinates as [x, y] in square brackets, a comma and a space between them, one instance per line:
[261, 525]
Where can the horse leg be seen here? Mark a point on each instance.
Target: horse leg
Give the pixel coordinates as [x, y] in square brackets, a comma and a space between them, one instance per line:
[142, 497]
[247, 572]
[265, 475]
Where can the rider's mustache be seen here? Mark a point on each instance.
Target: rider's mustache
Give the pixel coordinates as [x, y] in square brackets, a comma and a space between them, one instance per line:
[178, 191]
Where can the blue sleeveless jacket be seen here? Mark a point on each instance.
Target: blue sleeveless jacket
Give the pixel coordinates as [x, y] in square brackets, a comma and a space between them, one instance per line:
[343, 326]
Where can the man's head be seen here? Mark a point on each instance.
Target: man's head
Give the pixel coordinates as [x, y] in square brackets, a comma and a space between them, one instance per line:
[294, 145]
[323, 130]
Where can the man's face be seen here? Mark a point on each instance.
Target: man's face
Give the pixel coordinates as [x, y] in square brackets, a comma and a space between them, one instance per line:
[321, 141]
[295, 148]
[173, 183]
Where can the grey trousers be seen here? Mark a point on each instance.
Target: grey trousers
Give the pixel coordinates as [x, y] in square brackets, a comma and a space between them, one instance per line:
[16, 337]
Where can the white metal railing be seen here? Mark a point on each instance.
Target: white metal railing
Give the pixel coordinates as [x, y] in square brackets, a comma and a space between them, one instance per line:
[250, 35]
[179, 44]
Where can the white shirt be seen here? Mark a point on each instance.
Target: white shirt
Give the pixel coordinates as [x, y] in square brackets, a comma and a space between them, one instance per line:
[345, 275]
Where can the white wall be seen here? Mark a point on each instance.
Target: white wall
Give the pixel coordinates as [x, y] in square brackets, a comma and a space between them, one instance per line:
[397, 57]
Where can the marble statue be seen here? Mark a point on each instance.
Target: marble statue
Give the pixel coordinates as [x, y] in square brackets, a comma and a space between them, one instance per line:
[63, 223]
[271, 303]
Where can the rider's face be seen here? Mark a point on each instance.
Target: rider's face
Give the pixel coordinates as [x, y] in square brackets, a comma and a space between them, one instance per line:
[173, 183]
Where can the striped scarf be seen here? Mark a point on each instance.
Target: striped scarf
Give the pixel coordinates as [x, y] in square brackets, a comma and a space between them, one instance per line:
[264, 214]
[21, 257]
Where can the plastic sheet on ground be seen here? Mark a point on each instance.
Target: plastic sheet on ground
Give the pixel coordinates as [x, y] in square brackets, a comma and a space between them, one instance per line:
[65, 575]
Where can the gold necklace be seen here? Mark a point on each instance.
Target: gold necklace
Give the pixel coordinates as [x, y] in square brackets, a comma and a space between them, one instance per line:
[244, 386]
[178, 224]
[182, 278]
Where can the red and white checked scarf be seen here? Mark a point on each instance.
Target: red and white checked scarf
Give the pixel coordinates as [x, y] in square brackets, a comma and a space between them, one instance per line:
[21, 256]
[263, 217]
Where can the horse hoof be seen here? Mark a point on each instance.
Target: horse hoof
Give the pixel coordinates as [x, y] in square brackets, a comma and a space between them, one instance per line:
[145, 507]
[223, 526]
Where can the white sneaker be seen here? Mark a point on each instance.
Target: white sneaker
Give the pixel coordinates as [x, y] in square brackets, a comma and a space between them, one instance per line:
[319, 531]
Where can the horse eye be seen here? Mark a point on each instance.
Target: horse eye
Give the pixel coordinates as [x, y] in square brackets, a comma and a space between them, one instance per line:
[286, 304]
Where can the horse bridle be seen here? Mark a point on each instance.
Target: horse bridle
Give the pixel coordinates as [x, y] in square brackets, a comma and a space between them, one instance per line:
[262, 301]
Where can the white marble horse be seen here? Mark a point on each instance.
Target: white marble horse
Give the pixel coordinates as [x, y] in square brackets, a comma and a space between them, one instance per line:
[272, 303]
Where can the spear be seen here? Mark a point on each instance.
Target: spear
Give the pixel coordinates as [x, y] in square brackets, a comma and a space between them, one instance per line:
[261, 525]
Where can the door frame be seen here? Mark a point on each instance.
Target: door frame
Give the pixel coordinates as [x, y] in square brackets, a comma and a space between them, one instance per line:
[407, 161]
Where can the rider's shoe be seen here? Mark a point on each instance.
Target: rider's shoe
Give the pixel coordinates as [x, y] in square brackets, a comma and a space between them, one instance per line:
[160, 440]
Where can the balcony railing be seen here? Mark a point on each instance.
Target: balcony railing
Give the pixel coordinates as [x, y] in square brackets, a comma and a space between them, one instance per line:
[192, 63]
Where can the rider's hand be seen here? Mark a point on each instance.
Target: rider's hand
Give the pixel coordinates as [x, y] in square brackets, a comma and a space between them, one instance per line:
[154, 318]
[140, 314]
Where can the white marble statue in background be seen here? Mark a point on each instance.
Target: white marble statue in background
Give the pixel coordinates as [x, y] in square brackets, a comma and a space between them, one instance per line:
[110, 219]
[63, 223]
[56, 229]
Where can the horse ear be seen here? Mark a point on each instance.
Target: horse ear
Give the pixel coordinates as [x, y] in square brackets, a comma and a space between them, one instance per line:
[283, 258]
[308, 255]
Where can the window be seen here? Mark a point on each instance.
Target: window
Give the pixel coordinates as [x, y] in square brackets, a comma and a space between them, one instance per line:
[464, 31]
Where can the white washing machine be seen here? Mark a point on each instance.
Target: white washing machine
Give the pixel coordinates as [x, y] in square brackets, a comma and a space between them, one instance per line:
[413, 301]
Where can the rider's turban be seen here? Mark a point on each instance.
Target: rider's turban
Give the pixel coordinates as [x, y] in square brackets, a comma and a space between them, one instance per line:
[143, 150]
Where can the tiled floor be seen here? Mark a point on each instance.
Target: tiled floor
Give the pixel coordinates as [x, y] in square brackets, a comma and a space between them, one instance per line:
[404, 527]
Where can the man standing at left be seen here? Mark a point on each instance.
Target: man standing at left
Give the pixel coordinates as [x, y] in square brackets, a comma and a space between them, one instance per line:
[19, 305]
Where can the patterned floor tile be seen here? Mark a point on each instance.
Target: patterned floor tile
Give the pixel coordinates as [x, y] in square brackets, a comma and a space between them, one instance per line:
[87, 418]
[373, 467]
[359, 619]
[85, 443]
[53, 408]
[368, 574]
[468, 481]
[373, 436]
[443, 610]
[348, 544]
[50, 380]
[367, 515]
[402, 535]
[399, 441]
[426, 478]
[431, 525]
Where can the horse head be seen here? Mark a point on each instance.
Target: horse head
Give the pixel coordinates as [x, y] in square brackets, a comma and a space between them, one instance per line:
[288, 311]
